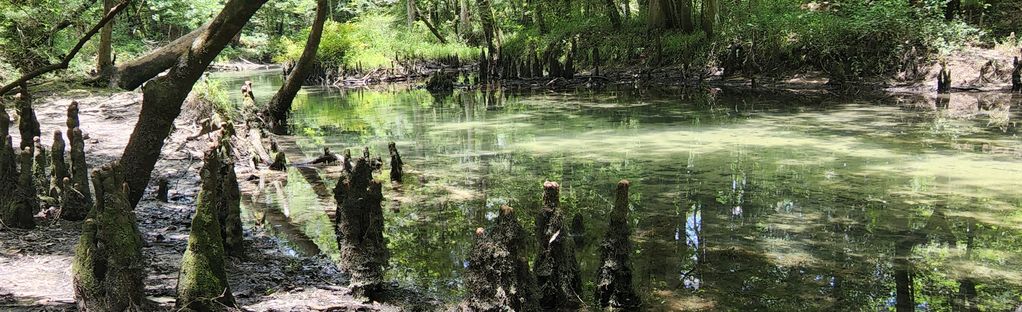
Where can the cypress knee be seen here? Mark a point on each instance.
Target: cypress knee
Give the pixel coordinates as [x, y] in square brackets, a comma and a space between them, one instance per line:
[40, 167]
[230, 214]
[58, 165]
[79, 169]
[202, 283]
[498, 277]
[360, 229]
[943, 79]
[73, 205]
[108, 268]
[18, 202]
[1016, 76]
[556, 268]
[28, 125]
[396, 165]
[614, 280]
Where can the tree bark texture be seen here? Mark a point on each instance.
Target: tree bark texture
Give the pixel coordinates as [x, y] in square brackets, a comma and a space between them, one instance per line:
[163, 96]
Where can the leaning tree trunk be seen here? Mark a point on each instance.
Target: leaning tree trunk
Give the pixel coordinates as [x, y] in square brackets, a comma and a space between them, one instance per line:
[280, 105]
[132, 74]
[202, 283]
[163, 96]
[108, 268]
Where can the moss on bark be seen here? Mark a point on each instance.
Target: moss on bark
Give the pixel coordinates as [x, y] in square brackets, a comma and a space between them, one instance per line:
[360, 229]
[73, 205]
[79, 168]
[230, 208]
[556, 269]
[58, 164]
[12, 213]
[40, 167]
[202, 283]
[107, 270]
[614, 280]
[498, 276]
[28, 125]
[19, 203]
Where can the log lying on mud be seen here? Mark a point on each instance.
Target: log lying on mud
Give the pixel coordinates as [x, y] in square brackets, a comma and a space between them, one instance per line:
[396, 165]
[498, 276]
[202, 283]
[15, 209]
[108, 267]
[556, 268]
[614, 280]
[360, 229]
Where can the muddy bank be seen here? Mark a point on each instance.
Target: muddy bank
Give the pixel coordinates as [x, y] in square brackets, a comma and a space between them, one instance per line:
[270, 276]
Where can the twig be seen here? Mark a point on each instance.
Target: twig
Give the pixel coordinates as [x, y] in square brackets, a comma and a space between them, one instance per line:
[71, 54]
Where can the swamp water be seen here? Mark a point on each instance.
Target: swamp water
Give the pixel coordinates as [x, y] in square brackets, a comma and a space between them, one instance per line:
[740, 201]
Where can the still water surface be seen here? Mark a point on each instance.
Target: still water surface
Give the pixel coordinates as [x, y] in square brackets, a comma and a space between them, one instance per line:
[740, 201]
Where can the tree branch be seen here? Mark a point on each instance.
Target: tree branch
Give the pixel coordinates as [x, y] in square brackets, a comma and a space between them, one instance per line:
[70, 55]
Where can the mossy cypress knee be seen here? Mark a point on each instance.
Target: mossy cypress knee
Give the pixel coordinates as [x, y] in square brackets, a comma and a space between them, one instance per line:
[79, 168]
[614, 280]
[360, 229]
[58, 164]
[28, 125]
[40, 167]
[498, 276]
[107, 270]
[230, 213]
[73, 205]
[556, 268]
[18, 202]
[202, 283]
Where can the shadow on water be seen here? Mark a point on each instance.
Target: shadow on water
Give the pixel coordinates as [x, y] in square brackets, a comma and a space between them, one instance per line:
[740, 201]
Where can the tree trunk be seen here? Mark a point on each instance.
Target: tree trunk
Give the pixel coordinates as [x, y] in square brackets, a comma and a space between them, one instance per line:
[489, 33]
[163, 96]
[684, 15]
[280, 105]
[615, 17]
[410, 9]
[131, 75]
[464, 24]
[709, 16]
[104, 59]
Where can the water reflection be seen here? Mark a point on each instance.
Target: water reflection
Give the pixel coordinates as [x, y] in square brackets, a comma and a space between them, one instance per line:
[740, 201]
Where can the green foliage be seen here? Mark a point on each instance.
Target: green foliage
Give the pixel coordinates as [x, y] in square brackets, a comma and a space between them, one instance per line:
[371, 41]
[213, 93]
